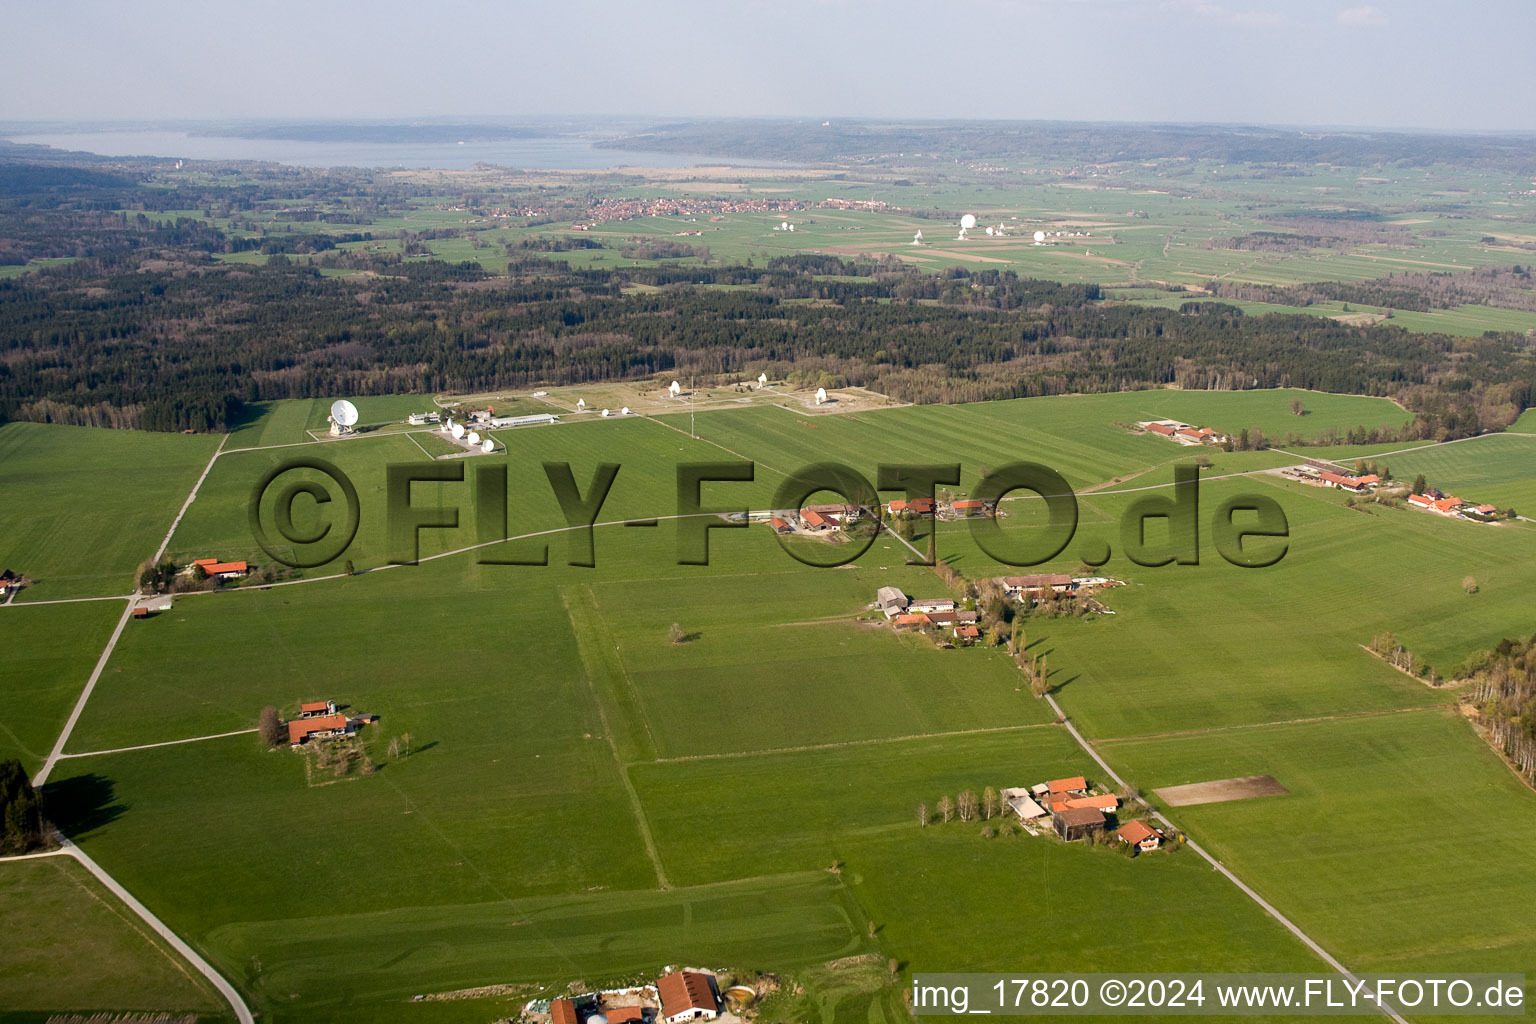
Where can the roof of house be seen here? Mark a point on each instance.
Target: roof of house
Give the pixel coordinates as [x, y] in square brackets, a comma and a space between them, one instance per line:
[778, 524]
[623, 1014]
[1447, 504]
[1160, 428]
[1107, 802]
[563, 1011]
[1486, 509]
[1369, 478]
[1023, 804]
[683, 991]
[969, 632]
[916, 619]
[204, 561]
[1080, 816]
[1068, 785]
[214, 568]
[887, 594]
[302, 727]
[810, 517]
[1341, 479]
[1045, 579]
[968, 503]
[1420, 499]
[315, 705]
[1135, 832]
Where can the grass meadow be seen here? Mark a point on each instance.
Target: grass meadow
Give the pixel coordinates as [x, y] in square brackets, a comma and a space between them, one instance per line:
[70, 946]
[585, 799]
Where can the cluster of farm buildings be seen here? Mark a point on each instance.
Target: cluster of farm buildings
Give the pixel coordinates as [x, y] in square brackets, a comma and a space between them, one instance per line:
[1452, 507]
[1326, 474]
[319, 720]
[945, 613]
[677, 996]
[1075, 810]
[1183, 433]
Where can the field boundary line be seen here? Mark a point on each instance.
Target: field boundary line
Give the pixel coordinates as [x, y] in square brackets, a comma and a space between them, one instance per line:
[165, 743]
[224, 988]
[1342, 716]
[1247, 890]
[811, 747]
[642, 824]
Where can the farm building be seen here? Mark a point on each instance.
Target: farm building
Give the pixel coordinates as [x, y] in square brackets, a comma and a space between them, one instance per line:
[148, 606]
[931, 604]
[687, 995]
[916, 507]
[1105, 803]
[624, 1014]
[1021, 803]
[912, 621]
[1139, 834]
[1076, 785]
[892, 601]
[956, 619]
[814, 521]
[968, 633]
[780, 526]
[1348, 481]
[1183, 433]
[1076, 823]
[301, 730]
[970, 507]
[317, 709]
[563, 1011]
[1037, 584]
[217, 570]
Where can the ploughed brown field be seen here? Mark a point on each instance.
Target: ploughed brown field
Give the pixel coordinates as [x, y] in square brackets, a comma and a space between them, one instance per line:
[1245, 788]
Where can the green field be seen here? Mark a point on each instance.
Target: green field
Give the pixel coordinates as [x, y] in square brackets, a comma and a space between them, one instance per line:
[70, 946]
[116, 492]
[1494, 469]
[586, 799]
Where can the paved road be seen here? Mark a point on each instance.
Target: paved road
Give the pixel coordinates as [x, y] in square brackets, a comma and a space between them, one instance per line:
[1268, 908]
[236, 1003]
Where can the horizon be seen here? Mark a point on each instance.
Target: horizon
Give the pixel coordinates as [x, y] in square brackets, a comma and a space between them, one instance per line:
[1396, 65]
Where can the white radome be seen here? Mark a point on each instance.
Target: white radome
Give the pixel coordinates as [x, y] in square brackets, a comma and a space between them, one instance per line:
[487, 446]
[474, 437]
[457, 430]
[1039, 236]
[968, 221]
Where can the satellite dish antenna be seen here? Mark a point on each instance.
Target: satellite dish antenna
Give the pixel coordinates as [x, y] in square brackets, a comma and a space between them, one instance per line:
[487, 446]
[821, 395]
[458, 430]
[344, 412]
[989, 232]
[968, 221]
[762, 380]
[674, 389]
[474, 437]
[607, 413]
[448, 423]
[581, 403]
[1039, 237]
[624, 411]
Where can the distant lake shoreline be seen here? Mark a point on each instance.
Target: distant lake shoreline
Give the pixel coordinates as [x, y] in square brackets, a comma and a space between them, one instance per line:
[548, 153]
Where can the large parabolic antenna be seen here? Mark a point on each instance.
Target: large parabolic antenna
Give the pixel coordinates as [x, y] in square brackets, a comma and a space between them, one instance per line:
[474, 437]
[458, 430]
[968, 221]
[344, 412]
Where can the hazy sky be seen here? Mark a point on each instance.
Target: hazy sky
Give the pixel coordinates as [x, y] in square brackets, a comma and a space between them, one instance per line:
[1399, 63]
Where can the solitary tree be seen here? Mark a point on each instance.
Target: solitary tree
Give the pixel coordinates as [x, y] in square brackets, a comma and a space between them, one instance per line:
[989, 802]
[1297, 408]
[675, 632]
[967, 805]
[1420, 485]
[270, 727]
[946, 808]
[922, 815]
[1469, 585]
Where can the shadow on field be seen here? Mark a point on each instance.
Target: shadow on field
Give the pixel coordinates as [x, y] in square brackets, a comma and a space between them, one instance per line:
[81, 805]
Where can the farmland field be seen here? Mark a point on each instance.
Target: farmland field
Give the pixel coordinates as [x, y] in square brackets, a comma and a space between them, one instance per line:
[70, 946]
[588, 793]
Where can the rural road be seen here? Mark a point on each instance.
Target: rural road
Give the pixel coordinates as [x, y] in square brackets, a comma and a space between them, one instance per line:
[1267, 907]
